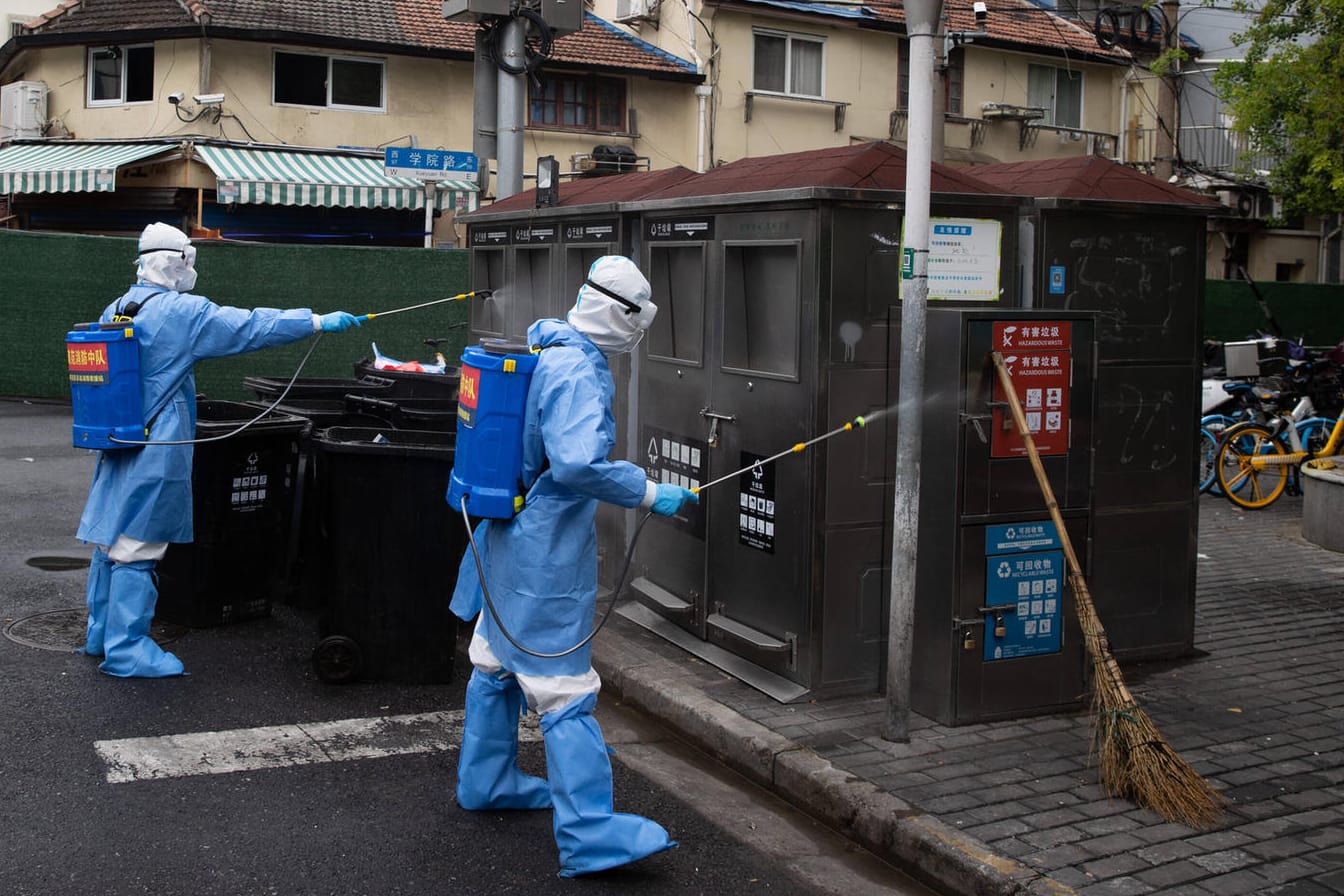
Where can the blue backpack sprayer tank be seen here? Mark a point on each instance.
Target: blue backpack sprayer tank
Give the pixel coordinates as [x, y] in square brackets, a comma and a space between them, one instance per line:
[104, 362]
[488, 461]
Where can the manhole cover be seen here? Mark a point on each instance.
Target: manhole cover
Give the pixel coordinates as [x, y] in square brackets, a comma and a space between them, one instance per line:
[58, 562]
[65, 629]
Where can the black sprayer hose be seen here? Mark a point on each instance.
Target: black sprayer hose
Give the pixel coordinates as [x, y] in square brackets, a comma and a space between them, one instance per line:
[606, 614]
[228, 435]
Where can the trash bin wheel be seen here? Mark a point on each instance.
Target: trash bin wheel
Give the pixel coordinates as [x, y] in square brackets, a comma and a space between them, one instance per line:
[336, 659]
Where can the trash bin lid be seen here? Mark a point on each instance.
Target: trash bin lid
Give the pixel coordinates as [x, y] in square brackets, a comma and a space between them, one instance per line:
[373, 440]
[215, 417]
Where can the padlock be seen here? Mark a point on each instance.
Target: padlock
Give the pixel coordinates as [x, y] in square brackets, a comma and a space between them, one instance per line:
[968, 640]
[1000, 630]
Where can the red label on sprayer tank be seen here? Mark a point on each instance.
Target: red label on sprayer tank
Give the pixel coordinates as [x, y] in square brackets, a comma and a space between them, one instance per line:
[87, 361]
[468, 394]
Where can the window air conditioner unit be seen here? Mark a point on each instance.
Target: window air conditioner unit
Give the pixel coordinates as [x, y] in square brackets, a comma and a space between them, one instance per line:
[1242, 202]
[23, 110]
[633, 10]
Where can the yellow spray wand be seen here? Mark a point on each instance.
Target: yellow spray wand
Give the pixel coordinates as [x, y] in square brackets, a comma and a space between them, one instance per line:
[479, 293]
[857, 421]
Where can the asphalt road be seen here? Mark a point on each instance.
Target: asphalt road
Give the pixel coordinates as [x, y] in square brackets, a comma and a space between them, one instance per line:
[309, 807]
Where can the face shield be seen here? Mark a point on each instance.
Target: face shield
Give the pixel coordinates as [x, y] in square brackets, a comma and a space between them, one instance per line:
[613, 307]
[167, 258]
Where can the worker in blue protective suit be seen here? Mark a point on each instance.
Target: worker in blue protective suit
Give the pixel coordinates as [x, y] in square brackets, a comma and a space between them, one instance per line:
[140, 499]
[541, 570]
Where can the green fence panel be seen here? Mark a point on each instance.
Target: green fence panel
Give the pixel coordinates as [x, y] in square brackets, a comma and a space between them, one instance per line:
[1314, 311]
[53, 281]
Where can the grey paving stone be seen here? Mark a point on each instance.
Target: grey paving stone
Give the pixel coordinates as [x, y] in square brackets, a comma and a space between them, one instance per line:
[1161, 832]
[1054, 837]
[992, 832]
[1219, 840]
[1170, 874]
[1115, 866]
[999, 811]
[1300, 888]
[1236, 883]
[1111, 844]
[1311, 799]
[1282, 871]
[1224, 861]
[1048, 801]
[1110, 824]
[943, 805]
[1325, 837]
[1071, 877]
[1062, 856]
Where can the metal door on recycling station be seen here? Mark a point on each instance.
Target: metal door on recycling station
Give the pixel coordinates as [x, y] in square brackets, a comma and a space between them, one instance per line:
[724, 385]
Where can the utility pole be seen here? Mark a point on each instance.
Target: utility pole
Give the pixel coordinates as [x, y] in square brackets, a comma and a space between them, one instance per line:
[1164, 147]
[921, 22]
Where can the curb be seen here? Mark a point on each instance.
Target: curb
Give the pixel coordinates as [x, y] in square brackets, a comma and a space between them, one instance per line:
[897, 832]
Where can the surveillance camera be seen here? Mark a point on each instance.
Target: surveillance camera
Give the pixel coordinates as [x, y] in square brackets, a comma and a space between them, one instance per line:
[176, 97]
[981, 12]
[209, 99]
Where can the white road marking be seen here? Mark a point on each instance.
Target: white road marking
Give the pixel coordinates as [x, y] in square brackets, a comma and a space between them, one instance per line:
[252, 749]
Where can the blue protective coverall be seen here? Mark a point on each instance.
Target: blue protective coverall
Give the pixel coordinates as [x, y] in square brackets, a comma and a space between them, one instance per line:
[541, 569]
[145, 493]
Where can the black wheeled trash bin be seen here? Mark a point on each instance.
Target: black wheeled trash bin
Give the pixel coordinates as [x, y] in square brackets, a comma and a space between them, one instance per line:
[390, 554]
[243, 508]
[305, 589]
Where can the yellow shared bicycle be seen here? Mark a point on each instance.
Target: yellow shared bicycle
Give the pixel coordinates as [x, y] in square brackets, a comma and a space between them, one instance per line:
[1254, 465]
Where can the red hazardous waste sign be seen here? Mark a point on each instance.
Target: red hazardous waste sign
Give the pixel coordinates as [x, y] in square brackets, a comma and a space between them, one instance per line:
[1038, 356]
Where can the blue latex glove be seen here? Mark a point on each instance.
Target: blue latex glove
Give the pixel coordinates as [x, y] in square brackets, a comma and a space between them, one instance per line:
[337, 321]
[669, 498]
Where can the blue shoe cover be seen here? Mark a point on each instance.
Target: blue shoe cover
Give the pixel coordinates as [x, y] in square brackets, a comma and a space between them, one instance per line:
[591, 837]
[487, 773]
[128, 650]
[96, 596]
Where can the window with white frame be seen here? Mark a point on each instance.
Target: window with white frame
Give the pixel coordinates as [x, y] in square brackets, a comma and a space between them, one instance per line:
[1059, 91]
[333, 82]
[118, 75]
[786, 63]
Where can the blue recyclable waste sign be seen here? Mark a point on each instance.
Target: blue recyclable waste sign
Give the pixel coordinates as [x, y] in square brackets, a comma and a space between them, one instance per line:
[1024, 575]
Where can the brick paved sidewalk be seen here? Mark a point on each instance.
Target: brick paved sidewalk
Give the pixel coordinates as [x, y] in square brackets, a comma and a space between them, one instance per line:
[1259, 711]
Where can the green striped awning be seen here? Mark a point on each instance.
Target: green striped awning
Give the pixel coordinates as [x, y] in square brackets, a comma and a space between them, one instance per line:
[278, 177]
[63, 167]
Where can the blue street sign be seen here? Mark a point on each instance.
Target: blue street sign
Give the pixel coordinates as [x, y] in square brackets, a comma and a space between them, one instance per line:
[427, 164]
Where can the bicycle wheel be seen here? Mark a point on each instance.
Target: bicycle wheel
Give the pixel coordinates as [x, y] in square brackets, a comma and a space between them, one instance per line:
[1208, 461]
[1214, 425]
[1314, 433]
[1245, 485]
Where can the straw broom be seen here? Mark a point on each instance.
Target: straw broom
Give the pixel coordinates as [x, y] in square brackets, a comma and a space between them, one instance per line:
[1135, 762]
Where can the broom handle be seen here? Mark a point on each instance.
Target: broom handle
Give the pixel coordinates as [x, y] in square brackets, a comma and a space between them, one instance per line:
[1075, 570]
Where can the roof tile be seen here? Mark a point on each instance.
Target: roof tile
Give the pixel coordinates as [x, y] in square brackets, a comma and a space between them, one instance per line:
[1085, 177]
[413, 24]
